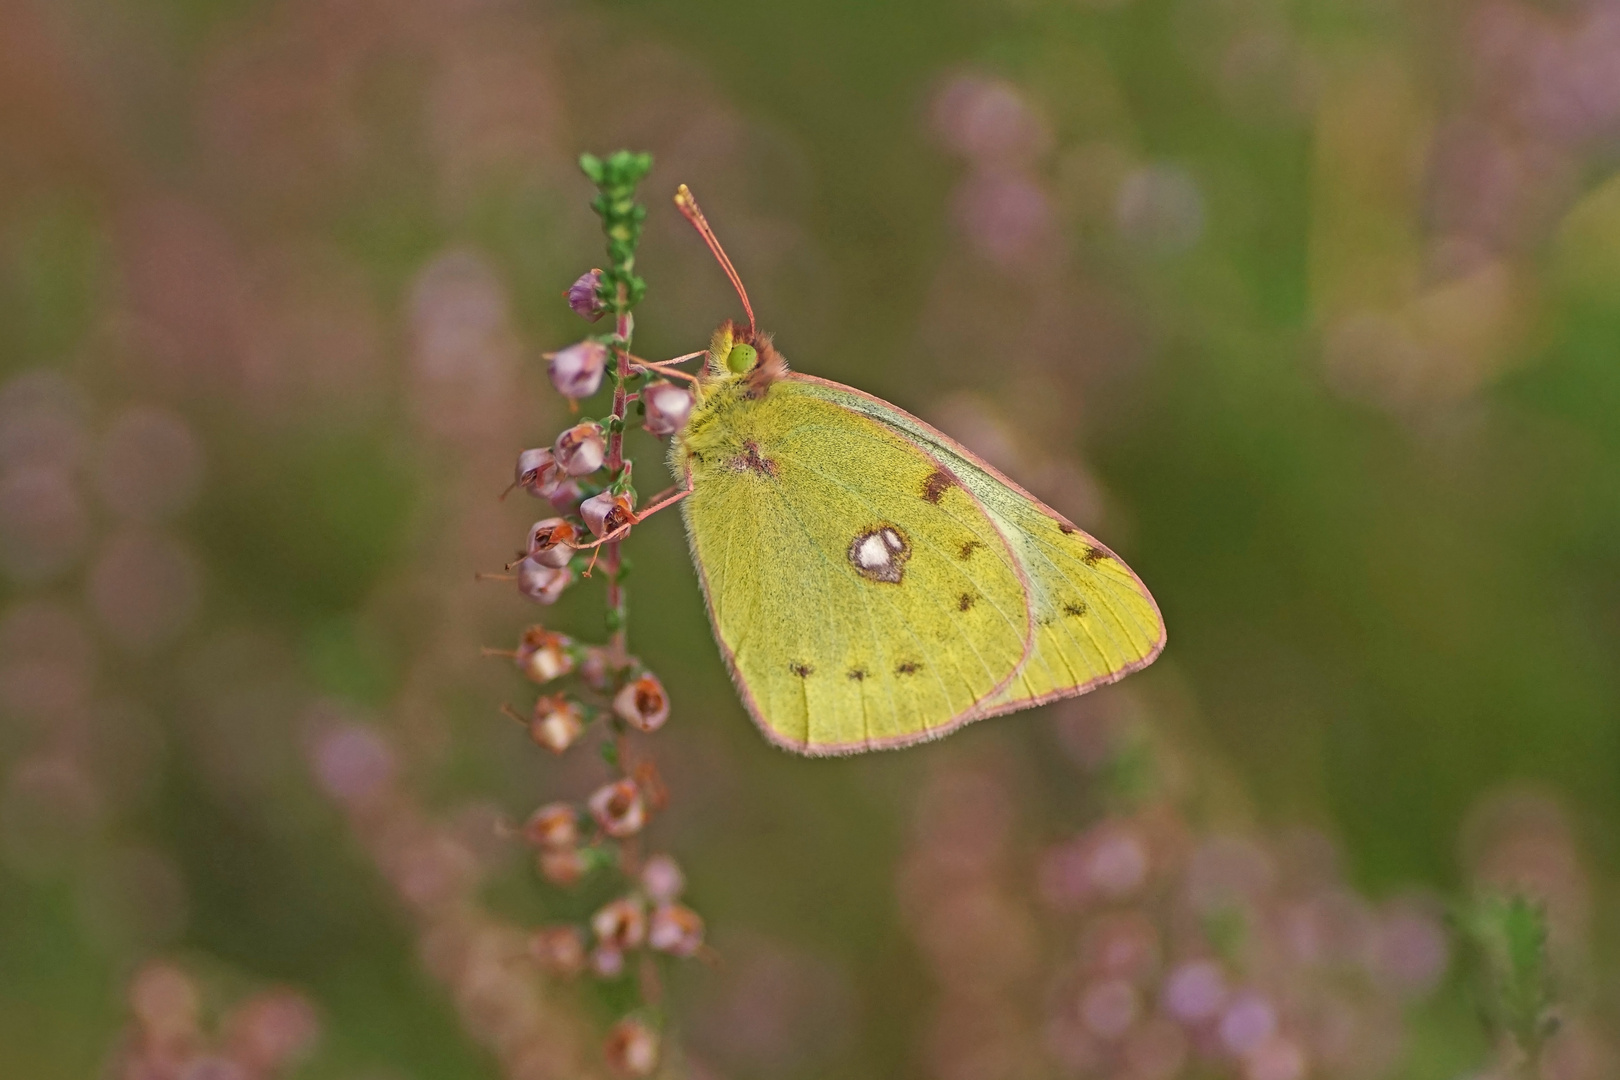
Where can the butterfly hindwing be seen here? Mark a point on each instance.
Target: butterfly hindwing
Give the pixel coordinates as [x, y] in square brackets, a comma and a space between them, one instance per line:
[863, 598]
[1095, 621]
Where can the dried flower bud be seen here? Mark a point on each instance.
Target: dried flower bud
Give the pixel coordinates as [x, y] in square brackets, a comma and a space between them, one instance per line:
[576, 371]
[643, 703]
[676, 929]
[618, 808]
[559, 950]
[661, 878]
[557, 723]
[581, 449]
[554, 825]
[551, 542]
[605, 512]
[543, 655]
[537, 473]
[541, 583]
[562, 866]
[621, 924]
[631, 1048]
[582, 296]
[667, 407]
[607, 963]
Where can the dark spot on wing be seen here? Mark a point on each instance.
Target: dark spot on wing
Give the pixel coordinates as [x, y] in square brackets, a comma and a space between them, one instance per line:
[1093, 556]
[751, 460]
[1074, 609]
[934, 485]
[1066, 529]
[964, 602]
[908, 667]
[967, 549]
[1044, 620]
[857, 673]
[801, 670]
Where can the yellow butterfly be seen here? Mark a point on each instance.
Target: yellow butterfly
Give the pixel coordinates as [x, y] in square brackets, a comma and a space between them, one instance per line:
[871, 582]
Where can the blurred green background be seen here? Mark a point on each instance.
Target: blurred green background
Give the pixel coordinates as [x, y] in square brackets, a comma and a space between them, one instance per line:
[1309, 311]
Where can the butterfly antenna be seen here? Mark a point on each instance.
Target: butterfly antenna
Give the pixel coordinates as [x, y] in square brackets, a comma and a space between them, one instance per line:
[692, 212]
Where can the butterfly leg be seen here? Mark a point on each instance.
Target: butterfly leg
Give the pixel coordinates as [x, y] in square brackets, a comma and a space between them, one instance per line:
[667, 367]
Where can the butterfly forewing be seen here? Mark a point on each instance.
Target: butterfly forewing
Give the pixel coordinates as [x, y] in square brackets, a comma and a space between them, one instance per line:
[1095, 621]
[862, 596]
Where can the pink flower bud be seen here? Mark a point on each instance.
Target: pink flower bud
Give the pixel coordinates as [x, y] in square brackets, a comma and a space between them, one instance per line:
[643, 703]
[631, 1048]
[576, 371]
[537, 473]
[551, 542]
[618, 808]
[661, 878]
[621, 924]
[542, 583]
[554, 825]
[605, 512]
[667, 407]
[582, 296]
[594, 668]
[563, 866]
[565, 497]
[559, 950]
[557, 723]
[543, 655]
[581, 449]
[607, 963]
[676, 929]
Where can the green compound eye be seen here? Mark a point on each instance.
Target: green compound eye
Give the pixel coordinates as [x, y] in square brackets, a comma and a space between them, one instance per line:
[742, 358]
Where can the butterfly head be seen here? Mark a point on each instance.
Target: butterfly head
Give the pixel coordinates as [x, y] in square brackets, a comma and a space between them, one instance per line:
[742, 354]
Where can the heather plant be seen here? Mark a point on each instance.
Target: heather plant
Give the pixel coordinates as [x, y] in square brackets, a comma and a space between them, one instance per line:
[602, 690]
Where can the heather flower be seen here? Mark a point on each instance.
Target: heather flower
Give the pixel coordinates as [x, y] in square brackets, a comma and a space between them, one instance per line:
[557, 723]
[559, 950]
[582, 296]
[595, 668]
[667, 406]
[676, 929]
[632, 1048]
[1249, 1021]
[1194, 992]
[618, 808]
[606, 512]
[606, 963]
[551, 542]
[543, 655]
[581, 449]
[541, 583]
[1109, 1008]
[537, 473]
[270, 1031]
[661, 879]
[576, 371]
[621, 924]
[643, 703]
[562, 866]
[553, 826]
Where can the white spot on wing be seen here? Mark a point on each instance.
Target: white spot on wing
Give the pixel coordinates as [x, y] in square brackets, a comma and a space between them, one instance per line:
[880, 554]
[872, 553]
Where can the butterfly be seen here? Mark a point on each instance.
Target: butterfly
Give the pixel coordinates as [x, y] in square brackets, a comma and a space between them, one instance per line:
[871, 582]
